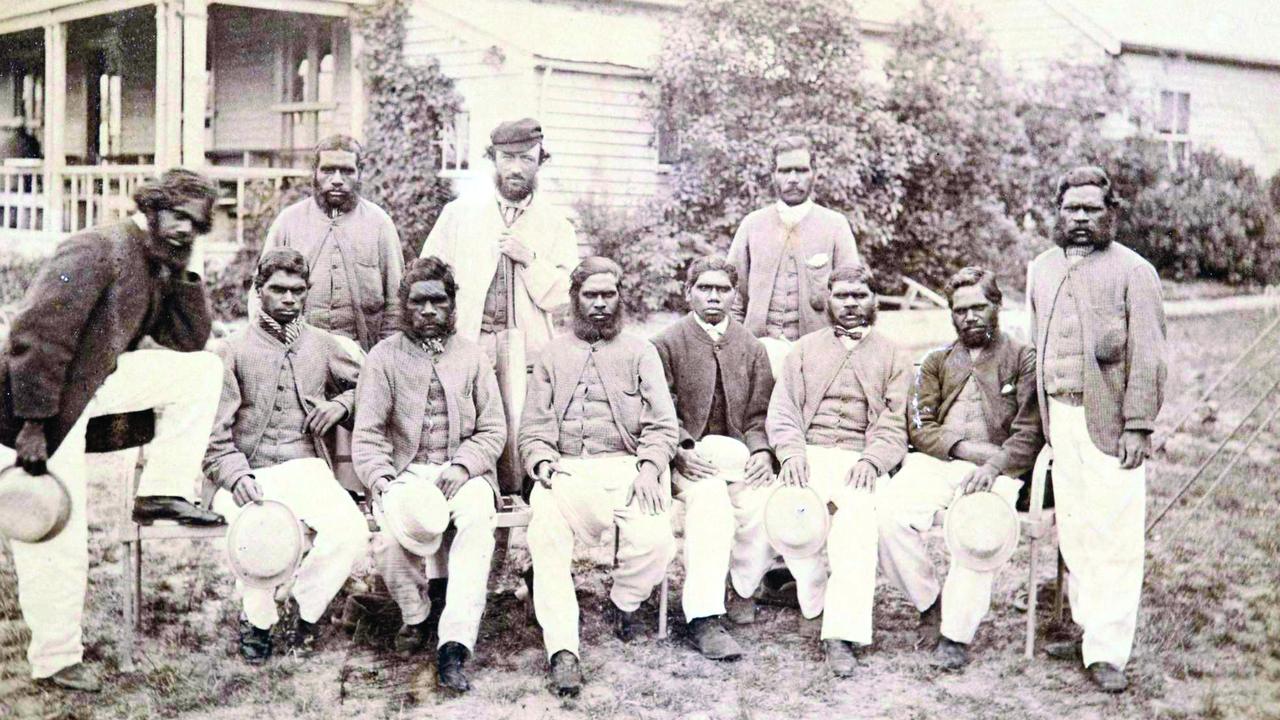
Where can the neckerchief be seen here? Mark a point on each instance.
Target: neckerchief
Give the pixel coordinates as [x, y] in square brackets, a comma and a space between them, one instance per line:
[286, 334]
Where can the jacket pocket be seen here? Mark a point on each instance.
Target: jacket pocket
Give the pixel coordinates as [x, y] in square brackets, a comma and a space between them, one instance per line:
[817, 268]
[1111, 336]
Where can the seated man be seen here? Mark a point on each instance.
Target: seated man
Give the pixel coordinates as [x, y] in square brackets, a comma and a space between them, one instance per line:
[430, 414]
[597, 433]
[975, 425]
[837, 423]
[720, 380]
[268, 444]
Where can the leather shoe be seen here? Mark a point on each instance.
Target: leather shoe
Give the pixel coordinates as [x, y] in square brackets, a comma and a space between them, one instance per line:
[255, 643]
[73, 677]
[410, 639]
[949, 655]
[1063, 649]
[1108, 677]
[625, 624]
[840, 658]
[566, 675]
[303, 637]
[712, 640]
[449, 662]
[147, 510]
[741, 611]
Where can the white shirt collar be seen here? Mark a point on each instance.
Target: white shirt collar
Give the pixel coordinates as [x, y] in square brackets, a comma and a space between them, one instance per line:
[717, 331]
[792, 215]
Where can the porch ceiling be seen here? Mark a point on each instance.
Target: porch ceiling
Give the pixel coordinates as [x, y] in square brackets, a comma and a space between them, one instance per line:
[18, 15]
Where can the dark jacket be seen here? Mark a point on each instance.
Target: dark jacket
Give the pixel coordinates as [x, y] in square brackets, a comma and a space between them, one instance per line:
[1006, 376]
[689, 358]
[1122, 317]
[96, 298]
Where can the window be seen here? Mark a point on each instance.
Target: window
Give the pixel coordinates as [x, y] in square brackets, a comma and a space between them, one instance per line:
[1174, 126]
[454, 143]
[30, 100]
[668, 141]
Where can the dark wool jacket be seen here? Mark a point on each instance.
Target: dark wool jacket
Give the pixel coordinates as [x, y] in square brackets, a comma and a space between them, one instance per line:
[1006, 376]
[96, 298]
[1122, 317]
[689, 358]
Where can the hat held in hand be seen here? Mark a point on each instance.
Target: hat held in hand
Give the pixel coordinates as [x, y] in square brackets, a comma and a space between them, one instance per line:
[33, 508]
[796, 520]
[264, 544]
[981, 531]
[416, 514]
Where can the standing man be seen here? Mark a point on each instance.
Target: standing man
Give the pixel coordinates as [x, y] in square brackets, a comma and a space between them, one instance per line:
[837, 423]
[785, 253]
[351, 247]
[73, 354]
[721, 382]
[511, 249]
[598, 433]
[285, 385]
[975, 424]
[1097, 317]
[430, 416]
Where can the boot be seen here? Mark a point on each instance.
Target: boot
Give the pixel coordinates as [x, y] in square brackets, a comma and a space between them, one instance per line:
[566, 674]
[450, 660]
[255, 643]
[712, 640]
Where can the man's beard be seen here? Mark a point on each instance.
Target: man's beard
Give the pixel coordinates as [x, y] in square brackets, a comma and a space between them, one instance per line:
[1062, 238]
[515, 194]
[869, 317]
[171, 258]
[346, 206]
[589, 330]
[450, 327]
[974, 341]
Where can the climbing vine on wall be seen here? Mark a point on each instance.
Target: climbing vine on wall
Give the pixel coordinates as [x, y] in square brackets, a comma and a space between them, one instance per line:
[408, 106]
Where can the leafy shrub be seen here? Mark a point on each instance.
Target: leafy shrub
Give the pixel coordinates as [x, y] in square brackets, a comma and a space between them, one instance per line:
[16, 274]
[229, 285]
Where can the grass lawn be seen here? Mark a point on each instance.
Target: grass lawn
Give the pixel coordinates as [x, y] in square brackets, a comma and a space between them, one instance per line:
[1208, 641]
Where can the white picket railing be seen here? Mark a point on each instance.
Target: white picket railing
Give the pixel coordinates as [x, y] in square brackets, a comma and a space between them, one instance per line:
[21, 197]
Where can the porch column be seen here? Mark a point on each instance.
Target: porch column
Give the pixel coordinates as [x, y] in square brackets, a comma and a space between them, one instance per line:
[55, 114]
[195, 37]
[168, 147]
[356, 93]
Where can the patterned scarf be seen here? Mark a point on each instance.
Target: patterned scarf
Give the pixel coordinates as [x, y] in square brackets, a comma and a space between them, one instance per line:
[433, 346]
[286, 334]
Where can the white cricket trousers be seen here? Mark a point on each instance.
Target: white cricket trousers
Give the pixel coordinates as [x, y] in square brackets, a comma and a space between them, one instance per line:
[723, 535]
[583, 504]
[473, 514]
[906, 504]
[308, 488]
[52, 576]
[1101, 515]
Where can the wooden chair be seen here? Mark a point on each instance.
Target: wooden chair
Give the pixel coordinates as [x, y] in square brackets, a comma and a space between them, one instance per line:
[110, 433]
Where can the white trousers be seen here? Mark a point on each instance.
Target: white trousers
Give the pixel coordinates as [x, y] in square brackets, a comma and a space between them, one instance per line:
[53, 575]
[308, 488]
[906, 504]
[465, 560]
[1101, 516]
[583, 504]
[723, 534]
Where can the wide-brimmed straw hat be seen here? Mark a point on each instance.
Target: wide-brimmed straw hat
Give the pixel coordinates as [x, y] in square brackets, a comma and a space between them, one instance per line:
[796, 521]
[33, 508]
[981, 531]
[416, 514]
[264, 544]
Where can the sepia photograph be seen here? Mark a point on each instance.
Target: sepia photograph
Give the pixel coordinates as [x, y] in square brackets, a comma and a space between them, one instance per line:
[653, 359]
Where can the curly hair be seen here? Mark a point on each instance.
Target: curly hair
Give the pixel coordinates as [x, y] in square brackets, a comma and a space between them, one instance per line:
[593, 265]
[788, 143]
[177, 187]
[974, 275]
[341, 143]
[424, 269]
[281, 259]
[1088, 176]
[850, 273]
[709, 263]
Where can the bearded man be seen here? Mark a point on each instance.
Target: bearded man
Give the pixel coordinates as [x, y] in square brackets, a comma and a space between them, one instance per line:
[837, 424]
[597, 434]
[786, 251]
[512, 249]
[351, 246]
[74, 354]
[721, 382]
[429, 414]
[285, 386]
[1097, 317]
[975, 424]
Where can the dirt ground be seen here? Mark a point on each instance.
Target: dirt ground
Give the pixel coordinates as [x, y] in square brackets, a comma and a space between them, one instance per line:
[1208, 641]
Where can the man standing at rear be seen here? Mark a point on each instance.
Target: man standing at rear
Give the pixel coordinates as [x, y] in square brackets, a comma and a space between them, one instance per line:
[74, 354]
[351, 247]
[512, 250]
[1097, 318]
[786, 251]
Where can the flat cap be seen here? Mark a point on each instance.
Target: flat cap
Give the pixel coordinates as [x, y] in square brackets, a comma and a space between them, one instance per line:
[516, 135]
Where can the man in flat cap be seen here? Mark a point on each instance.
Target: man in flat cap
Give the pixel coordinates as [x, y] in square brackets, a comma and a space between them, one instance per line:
[351, 246]
[511, 249]
[786, 251]
[1097, 319]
